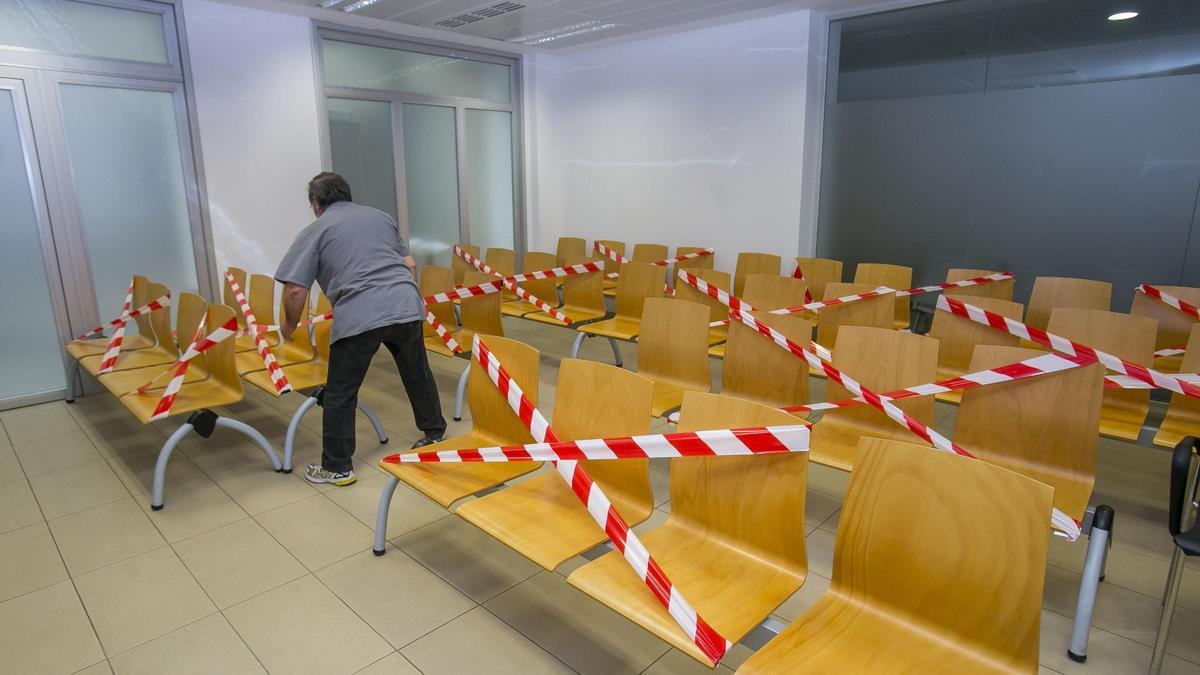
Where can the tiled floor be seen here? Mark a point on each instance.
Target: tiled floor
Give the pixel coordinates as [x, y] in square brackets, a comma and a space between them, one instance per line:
[247, 570]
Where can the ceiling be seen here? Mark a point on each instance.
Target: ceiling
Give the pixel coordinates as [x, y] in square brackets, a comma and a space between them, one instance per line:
[554, 24]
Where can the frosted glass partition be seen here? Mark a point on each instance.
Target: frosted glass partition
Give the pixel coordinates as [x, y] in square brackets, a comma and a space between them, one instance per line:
[490, 177]
[431, 179]
[129, 183]
[32, 358]
[362, 66]
[360, 134]
[83, 29]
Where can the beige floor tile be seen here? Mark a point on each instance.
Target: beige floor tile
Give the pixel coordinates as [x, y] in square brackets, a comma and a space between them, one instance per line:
[77, 488]
[135, 438]
[55, 452]
[478, 642]
[226, 449]
[47, 631]
[39, 421]
[258, 489]
[398, 598]
[237, 562]
[192, 507]
[409, 510]
[675, 662]
[302, 627]
[209, 645]
[820, 552]
[101, 668]
[316, 531]
[579, 631]
[28, 561]
[136, 470]
[660, 487]
[392, 664]
[10, 468]
[830, 481]
[18, 507]
[819, 506]
[104, 535]
[137, 600]
[1152, 485]
[1107, 652]
[475, 563]
[810, 592]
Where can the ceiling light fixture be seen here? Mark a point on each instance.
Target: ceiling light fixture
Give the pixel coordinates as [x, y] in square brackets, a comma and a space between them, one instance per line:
[1122, 16]
[561, 32]
[355, 6]
[327, 4]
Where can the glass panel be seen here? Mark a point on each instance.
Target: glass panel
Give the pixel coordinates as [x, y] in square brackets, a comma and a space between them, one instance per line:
[129, 185]
[490, 178]
[81, 28]
[360, 138]
[354, 65]
[30, 340]
[431, 178]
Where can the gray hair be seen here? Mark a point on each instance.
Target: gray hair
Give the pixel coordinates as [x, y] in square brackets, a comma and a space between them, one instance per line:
[328, 188]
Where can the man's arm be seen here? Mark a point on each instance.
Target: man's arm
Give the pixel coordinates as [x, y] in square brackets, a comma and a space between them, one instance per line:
[295, 302]
[411, 263]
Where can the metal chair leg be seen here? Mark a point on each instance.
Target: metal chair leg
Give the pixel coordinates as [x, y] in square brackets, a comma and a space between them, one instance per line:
[385, 502]
[289, 444]
[1093, 567]
[461, 393]
[160, 466]
[383, 439]
[72, 377]
[575, 347]
[616, 352]
[1174, 576]
[253, 434]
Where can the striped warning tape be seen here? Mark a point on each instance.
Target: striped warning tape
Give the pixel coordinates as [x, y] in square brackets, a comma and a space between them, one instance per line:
[799, 274]
[512, 286]
[199, 344]
[617, 257]
[312, 321]
[461, 292]
[113, 349]
[1168, 299]
[278, 379]
[156, 304]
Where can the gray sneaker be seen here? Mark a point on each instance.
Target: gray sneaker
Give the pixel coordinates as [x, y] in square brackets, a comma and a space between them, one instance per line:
[315, 473]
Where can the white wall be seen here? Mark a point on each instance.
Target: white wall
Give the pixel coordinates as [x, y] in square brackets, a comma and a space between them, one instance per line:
[693, 138]
[256, 107]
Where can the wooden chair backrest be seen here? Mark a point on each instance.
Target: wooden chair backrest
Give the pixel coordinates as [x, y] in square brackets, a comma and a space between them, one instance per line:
[435, 279]
[909, 544]
[570, 248]
[637, 283]
[716, 310]
[542, 289]
[610, 265]
[595, 400]
[1000, 290]
[324, 330]
[898, 277]
[191, 313]
[1174, 327]
[239, 275]
[673, 342]
[503, 260]
[755, 368]
[771, 291]
[752, 504]
[160, 322]
[958, 336]
[754, 263]
[460, 266]
[818, 272]
[262, 298]
[1052, 292]
[881, 360]
[1127, 336]
[704, 262]
[648, 253]
[142, 293]
[490, 414]
[583, 291]
[299, 342]
[480, 314]
[222, 357]
[876, 312]
[1183, 413]
[1044, 427]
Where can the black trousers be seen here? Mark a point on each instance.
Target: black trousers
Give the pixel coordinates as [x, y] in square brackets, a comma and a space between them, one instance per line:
[349, 359]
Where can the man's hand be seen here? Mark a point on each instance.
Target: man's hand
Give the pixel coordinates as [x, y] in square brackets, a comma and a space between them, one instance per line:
[295, 304]
[287, 328]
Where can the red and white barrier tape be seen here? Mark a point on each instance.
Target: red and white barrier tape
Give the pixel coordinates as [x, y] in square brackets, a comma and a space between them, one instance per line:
[278, 379]
[113, 350]
[1064, 523]
[1167, 299]
[320, 318]
[977, 281]
[1171, 351]
[617, 257]
[200, 343]
[156, 304]
[1060, 344]
[799, 274]
[461, 292]
[442, 333]
[512, 286]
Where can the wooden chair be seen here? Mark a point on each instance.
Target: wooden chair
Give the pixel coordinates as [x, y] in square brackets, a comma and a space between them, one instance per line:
[1053, 292]
[754, 263]
[704, 262]
[898, 277]
[542, 289]
[541, 518]
[642, 253]
[1183, 413]
[190, 312]
[460, 266]
[1043, 427]
[716, 310]
[610, 265]
[480, 315]
[219, 386]
[673, 350]
[882, 360]
[261, 296]
[734, 542]
[819, 272]
[876, 312]
[637, 283]
[919, 585]
[504, 262]
[1129, 337]
[583, 300]
[434, 279]
[138, 335]
[958, 337]
[296, 349]
[766, 292]
[758, 370]
[151, 336]
[493, 423]
[1000, 290]
[1174, 327]
[569, 248]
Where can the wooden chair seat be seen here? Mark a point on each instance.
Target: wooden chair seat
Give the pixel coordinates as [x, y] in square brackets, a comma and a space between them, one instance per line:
[133, 360]
[517, 308]
[300, 375]
[1183, 413]
[717, 351]
[638, 282]
[434, 343]
[542, 289]
[286, 354]
[917, 586]
[81, 349]
[198, 395]
[121, 382]
[958, 337]
[577, 315]
[582, 297]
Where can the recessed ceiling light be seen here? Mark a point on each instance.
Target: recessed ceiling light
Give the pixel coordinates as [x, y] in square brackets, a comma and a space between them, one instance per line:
[1122, 16]
[326, 4]
[354, 7]
[561, 32]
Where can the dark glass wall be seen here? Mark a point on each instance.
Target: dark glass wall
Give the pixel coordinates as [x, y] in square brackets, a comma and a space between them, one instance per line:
[1033, 136]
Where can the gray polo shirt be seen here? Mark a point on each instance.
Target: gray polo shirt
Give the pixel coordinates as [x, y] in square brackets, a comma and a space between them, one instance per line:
[357, 255]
